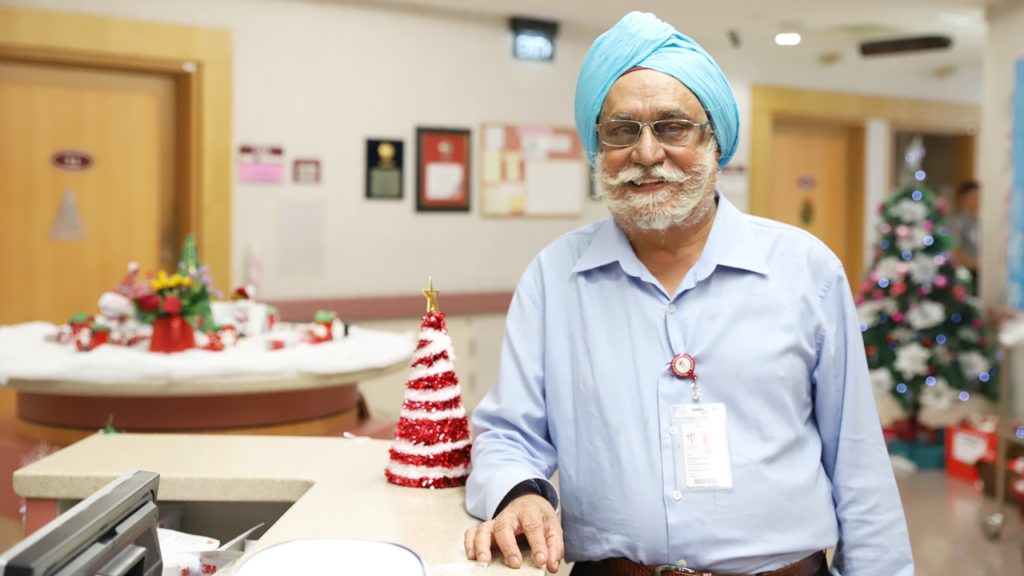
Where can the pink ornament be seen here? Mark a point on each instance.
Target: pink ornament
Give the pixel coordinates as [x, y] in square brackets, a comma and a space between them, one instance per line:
[922, 291]
[877, 294]
[941, 281]
[898, 288]
[976, 324]
[902, 231]
[897, 316]
[928, 225]
[874, 276]
[858, 300]
[902, 268]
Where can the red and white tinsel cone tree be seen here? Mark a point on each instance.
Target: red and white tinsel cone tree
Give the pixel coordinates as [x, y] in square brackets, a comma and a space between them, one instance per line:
[432, 443]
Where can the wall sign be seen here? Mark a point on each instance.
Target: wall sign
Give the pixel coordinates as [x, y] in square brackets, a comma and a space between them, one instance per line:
[260, 163]
[306, 171]
[71, 160]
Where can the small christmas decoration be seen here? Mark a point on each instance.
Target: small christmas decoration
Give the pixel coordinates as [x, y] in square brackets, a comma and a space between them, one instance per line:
[930, 358]
[323, 327]
[109, 428]
[117, 309]
[432, 444]
[91, 337]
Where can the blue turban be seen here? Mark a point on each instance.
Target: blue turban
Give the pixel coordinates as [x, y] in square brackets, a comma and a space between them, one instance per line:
[642, 40]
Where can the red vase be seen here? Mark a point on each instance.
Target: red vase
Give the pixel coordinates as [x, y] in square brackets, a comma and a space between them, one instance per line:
[171, 334]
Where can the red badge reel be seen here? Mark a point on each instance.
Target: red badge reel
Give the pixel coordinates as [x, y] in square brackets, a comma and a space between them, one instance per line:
[684, 366]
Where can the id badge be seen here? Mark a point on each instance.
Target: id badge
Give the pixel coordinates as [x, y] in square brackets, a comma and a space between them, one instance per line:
[701, 446]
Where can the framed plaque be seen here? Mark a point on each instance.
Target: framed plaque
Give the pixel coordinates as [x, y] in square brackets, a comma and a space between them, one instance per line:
[442, 169]
[384, 161]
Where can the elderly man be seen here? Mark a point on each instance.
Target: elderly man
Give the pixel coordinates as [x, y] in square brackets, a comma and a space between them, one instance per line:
[696, 375]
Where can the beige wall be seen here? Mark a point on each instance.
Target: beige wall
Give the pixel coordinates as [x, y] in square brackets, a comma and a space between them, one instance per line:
[318, 77]
[1004, 47]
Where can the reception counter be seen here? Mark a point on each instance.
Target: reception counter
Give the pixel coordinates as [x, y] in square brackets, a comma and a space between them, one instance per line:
[330, 487]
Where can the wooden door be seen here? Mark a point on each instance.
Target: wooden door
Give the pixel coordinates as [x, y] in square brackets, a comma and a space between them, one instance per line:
[68, 235]
[811, 185]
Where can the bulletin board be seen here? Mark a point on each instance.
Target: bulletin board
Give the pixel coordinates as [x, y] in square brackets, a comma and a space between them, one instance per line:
[531, 170]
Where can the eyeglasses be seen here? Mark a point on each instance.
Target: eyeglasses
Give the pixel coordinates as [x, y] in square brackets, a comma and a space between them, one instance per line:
[673, 132]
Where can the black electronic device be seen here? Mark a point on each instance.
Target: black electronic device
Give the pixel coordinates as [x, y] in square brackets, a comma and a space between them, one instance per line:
[110, 533]
[899, 45]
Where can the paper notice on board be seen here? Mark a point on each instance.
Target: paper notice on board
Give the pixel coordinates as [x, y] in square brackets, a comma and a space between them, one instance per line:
[555, 187]
[494, 138]
[559, 144]
[509, 198]
[490, 164]
[534, 146]
[444, 180]
[513, 166]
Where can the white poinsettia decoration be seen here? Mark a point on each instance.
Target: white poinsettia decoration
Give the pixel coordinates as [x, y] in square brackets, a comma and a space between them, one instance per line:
[914, 240]
[923, 269]
[926, 314]
[881, 381]
[868, 311]
[967, 334]
[890, 305]
[972, 363]
[912, 360]
[940, 396]
[941, 354]
[903, 334]
[963, 274]
[889, 267]
[909, 211]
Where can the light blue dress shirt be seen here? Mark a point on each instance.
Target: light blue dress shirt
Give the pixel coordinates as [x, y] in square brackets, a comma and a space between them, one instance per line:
[585, 388]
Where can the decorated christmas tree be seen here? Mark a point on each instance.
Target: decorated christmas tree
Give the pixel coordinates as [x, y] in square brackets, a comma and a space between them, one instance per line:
[190, 266]
[432, 445]
[930, 359]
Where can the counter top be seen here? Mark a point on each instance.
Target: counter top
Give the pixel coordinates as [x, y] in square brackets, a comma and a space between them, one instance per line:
[337, 486]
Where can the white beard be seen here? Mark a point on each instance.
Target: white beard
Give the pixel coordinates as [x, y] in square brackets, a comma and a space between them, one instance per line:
[658, 211]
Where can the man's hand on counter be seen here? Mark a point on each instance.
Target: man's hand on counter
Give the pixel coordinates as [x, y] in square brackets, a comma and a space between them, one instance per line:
[532, 516]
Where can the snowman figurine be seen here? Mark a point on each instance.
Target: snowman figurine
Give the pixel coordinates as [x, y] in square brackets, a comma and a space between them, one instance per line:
[117, 310]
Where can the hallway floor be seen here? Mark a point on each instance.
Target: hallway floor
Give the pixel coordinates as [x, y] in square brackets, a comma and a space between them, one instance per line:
[944, 516]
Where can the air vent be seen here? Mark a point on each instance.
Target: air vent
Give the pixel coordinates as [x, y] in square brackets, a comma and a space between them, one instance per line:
[900, 45]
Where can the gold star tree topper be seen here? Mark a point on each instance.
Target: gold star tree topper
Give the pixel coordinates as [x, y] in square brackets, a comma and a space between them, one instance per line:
[431, 295]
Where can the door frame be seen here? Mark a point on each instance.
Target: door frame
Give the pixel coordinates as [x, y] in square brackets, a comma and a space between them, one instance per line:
[199, 60]
[770, 104]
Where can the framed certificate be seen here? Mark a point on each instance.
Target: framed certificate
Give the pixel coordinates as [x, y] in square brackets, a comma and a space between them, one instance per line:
[442, 169]
[384, 161]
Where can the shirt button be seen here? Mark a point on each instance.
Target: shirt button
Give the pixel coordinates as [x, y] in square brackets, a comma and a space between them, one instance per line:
[671, 308]
[677, 495]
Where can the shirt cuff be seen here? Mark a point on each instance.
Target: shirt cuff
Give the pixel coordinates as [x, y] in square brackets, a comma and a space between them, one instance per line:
[536, 486]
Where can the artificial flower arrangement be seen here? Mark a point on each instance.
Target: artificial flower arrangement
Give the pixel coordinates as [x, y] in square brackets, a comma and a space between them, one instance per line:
[176, 303]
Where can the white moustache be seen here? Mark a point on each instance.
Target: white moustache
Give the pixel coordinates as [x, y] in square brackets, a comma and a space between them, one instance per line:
[644, 175]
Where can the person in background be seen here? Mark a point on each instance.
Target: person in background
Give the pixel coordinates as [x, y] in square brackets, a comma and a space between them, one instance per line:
[695, 375]
[964, 228]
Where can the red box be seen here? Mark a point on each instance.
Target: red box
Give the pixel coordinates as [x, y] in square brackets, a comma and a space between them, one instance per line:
[966, 445]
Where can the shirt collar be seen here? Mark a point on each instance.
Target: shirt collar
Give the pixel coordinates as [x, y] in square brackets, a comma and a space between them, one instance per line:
[731, 243]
